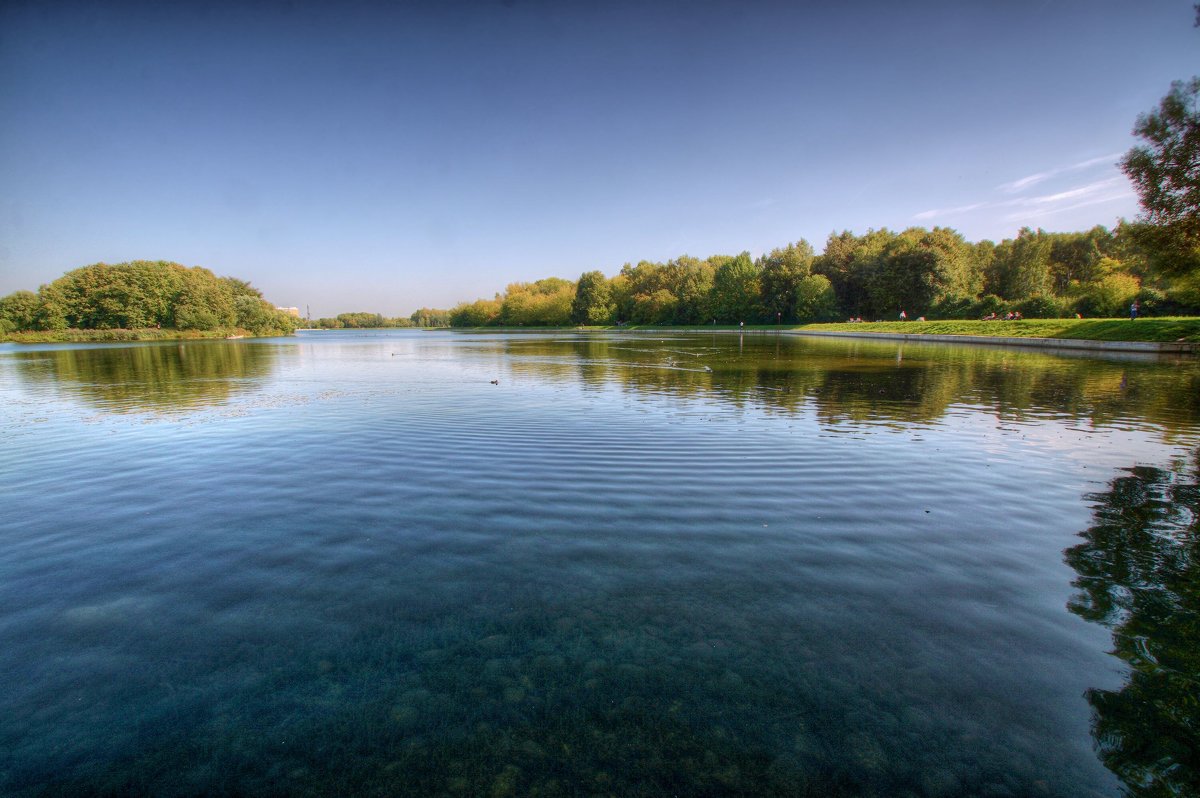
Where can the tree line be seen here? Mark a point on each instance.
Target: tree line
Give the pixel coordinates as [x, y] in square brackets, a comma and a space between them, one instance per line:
[934, 273]
[1154, 261]
[425, 317]
[142, 294]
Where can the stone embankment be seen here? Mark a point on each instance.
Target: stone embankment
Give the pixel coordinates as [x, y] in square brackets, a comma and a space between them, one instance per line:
[1149, 347]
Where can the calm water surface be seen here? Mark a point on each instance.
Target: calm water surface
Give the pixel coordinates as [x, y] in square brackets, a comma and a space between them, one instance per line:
[638, 565]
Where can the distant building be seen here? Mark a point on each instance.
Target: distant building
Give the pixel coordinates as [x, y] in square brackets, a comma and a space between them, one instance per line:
[290, 311]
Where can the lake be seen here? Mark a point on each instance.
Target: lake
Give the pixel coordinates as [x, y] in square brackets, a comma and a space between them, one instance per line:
[434, 563]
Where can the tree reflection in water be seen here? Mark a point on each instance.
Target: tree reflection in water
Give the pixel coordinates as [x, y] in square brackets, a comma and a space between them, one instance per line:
[154, 378]
[1139, 575]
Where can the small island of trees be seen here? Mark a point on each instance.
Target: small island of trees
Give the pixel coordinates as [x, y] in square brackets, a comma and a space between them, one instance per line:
[143, 295]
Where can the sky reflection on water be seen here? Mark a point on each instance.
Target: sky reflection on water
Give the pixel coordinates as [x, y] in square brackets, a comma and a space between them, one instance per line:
[637, 565]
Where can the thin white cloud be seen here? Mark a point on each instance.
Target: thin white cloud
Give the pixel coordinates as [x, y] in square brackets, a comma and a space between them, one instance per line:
[1025, 182]
[1038, 177]
[935, 212]
[1031, 213]
[1106, 159]
[1046, 204]
[1081, 191]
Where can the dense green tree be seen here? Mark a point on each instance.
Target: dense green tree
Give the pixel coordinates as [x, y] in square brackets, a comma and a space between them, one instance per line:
[1165, 172]
[545, 302]
[19, 311]
[690, 281]
[916, 269]
[633, 292]
[430, 317]
[1109, 297]
[150, 294]
[735, 291]
[205, 302]
[1021, 267]
[1077, 257]
[781, 272]
[593, 300]
[814, 299]
[362, 320]
[479, 313]
[653, 308]
[849, 262]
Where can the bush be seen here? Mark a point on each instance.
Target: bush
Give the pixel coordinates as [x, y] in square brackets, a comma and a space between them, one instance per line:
[987, 304]
[1152, 302]
[195, 318]
[1044, 307]
[953, 306]
[1109, 297]
[1184, 294]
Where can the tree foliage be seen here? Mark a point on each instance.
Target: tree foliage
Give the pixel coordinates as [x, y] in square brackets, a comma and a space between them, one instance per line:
[781, 272]
[735, 291]
[1165, 172]
[932, 272]
[430, 317]
[592, 303]
[142, 294]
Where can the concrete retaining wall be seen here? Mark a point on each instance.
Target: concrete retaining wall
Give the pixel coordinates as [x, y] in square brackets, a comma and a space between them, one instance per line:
[1148, 347]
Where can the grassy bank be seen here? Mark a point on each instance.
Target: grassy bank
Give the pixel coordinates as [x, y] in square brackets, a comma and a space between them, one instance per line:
[116, 335]
[1162, 330]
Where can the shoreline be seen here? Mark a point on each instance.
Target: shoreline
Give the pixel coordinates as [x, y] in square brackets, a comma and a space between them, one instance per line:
[127, 336]
[1151, 347]
[1038, 342]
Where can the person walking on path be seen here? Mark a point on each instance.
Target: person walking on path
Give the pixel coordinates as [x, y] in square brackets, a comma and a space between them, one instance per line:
[1133, 310]
[903, 315]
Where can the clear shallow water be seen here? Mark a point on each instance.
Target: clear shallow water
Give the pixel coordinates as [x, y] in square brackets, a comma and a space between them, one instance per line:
[640, 564]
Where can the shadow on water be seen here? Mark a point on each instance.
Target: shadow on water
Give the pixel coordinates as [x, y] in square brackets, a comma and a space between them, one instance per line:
[150, 378]
[1139, 575]
[872, 382]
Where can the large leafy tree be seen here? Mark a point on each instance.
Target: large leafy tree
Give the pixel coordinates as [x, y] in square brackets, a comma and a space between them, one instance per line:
[691, 281]
[781, 273]
[814, 299]
[1021, 266]
[19, 310]
[1165, 171]
[917, 268]
[479, 313]
[849, 261]
[593, 300]
[735, 291]
[634, 287]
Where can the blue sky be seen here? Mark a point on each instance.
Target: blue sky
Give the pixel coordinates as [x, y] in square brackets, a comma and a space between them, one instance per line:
[388, 156]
